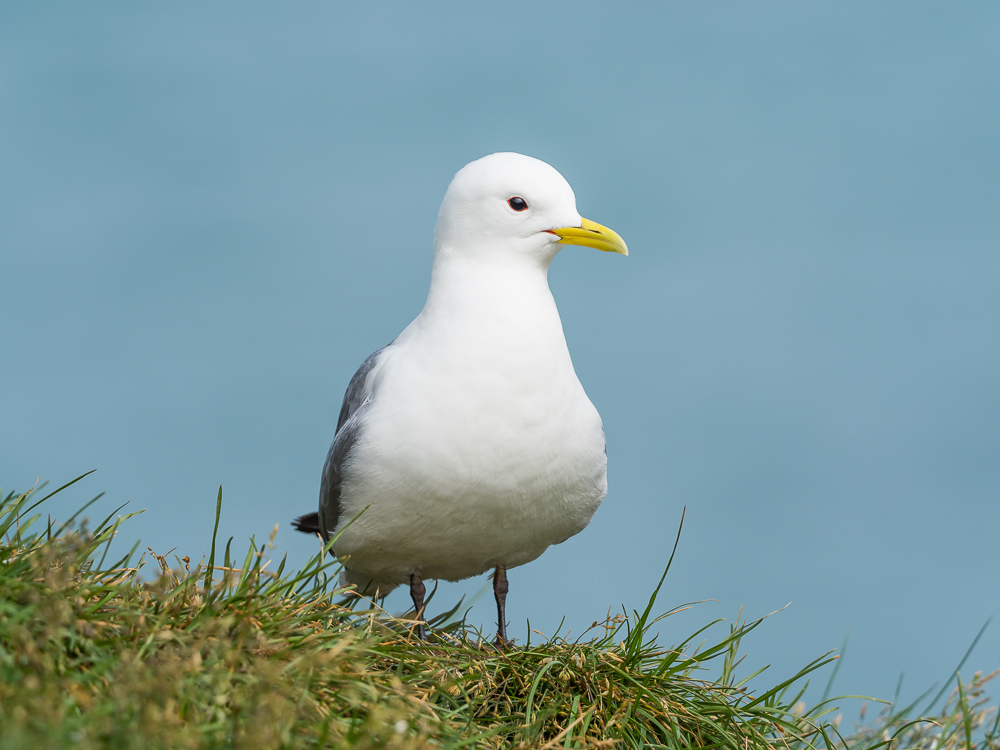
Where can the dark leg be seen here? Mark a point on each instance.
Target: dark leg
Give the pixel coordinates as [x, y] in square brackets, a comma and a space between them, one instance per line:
[500, 593]
[417, 592]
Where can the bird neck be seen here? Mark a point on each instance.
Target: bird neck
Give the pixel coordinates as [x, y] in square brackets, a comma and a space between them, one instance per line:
[489, 286]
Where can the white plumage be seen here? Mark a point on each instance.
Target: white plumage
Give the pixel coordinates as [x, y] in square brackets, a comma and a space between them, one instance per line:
[468, 443]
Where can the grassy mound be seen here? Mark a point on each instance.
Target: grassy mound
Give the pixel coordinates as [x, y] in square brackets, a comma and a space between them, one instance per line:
[220, 655]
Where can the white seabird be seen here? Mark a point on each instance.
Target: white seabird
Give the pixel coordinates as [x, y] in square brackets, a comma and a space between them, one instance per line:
[468, 443]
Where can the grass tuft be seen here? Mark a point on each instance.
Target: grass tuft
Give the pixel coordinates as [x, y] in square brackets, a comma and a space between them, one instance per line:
[157, 651]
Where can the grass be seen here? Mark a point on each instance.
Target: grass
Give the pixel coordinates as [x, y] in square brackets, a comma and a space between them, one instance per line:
[98, 653]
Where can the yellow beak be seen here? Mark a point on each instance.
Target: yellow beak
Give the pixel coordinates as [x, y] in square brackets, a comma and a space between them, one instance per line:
[592, 234]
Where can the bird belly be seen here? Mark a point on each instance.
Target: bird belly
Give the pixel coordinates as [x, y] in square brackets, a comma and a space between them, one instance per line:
[469, 493]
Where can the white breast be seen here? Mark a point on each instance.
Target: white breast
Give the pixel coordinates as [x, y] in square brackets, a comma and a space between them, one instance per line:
[480, 446]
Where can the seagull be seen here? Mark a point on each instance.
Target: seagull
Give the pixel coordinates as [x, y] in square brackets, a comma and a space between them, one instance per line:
[468, 444]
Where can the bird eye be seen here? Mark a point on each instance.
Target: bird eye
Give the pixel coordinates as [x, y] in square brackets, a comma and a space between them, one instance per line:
[517, 203]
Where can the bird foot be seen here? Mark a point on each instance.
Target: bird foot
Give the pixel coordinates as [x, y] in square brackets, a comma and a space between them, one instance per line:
[502, 644]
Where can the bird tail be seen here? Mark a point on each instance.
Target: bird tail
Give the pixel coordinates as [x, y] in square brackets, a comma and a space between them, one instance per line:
[363, 585]
[307, 524]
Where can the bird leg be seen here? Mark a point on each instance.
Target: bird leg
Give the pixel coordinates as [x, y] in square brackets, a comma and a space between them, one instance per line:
[417, 591]
[500, 594]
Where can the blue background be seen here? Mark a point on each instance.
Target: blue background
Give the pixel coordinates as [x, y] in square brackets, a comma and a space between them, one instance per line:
[210, 215]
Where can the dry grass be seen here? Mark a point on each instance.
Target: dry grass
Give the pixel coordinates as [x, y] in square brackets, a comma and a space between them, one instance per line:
[227, 655]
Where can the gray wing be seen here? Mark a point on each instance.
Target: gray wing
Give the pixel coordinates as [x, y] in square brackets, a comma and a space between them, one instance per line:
[348, 427]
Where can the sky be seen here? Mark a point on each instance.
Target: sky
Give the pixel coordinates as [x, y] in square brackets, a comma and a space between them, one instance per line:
[211, 214]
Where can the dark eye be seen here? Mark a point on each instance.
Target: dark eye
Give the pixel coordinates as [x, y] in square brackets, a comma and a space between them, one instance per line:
[517, 203]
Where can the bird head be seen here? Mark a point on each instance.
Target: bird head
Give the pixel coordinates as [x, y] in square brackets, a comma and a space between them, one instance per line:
[509, 204]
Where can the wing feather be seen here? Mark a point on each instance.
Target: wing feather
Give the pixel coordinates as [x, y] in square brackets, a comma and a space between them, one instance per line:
[349, 424]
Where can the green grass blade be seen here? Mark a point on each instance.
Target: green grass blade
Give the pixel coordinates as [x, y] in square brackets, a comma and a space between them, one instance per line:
[210, 572]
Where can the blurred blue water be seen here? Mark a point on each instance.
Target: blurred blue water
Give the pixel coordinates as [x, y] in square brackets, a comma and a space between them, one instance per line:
[209, 215]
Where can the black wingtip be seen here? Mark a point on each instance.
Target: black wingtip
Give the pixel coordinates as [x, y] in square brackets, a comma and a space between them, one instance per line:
[307, 524]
